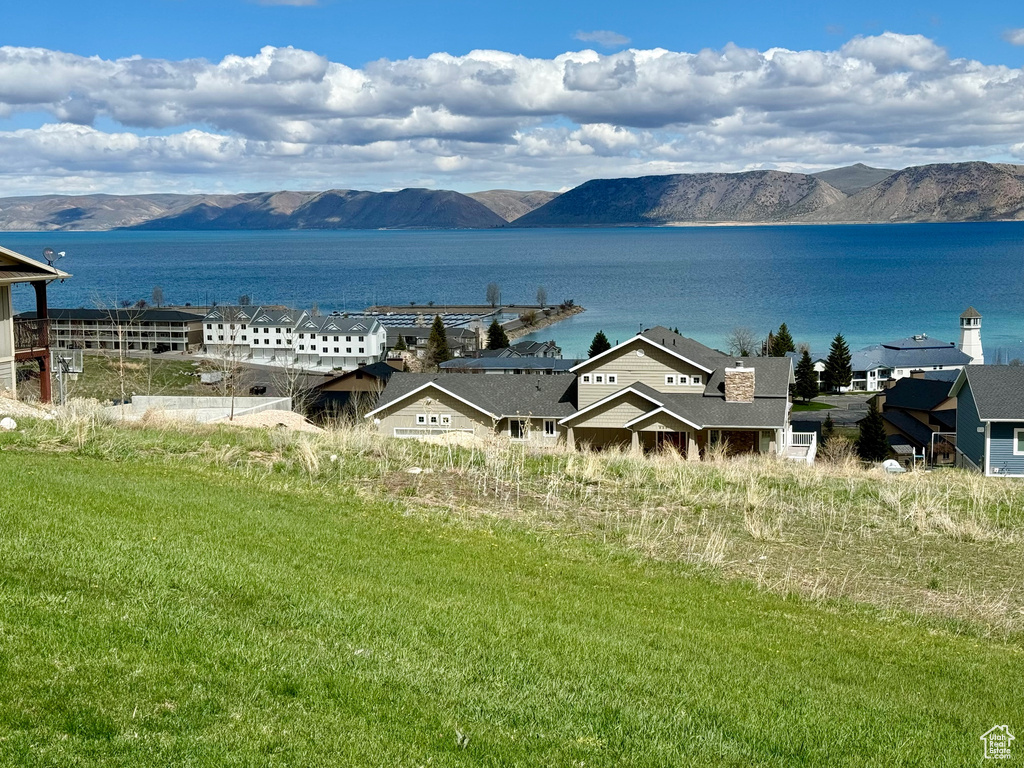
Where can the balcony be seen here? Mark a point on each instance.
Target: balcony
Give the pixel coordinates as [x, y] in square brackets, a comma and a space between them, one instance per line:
[31, 337]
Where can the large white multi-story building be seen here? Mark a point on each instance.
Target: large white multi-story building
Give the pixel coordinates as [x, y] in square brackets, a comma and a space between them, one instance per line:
[294, 337]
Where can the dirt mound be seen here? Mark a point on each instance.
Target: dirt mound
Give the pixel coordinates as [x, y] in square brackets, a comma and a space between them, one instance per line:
[272, 420]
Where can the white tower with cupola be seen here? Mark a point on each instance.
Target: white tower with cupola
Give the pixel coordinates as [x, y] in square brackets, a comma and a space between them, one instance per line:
[970, 336]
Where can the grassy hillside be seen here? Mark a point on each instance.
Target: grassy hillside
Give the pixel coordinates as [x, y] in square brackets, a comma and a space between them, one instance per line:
[218, 597]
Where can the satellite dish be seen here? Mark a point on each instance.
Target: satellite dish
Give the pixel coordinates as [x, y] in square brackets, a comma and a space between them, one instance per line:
[51, 256]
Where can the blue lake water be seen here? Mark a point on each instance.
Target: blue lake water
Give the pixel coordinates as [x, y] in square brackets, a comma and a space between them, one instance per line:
[872, 283]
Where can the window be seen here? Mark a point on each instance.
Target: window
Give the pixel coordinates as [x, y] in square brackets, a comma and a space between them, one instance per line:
[421, 418]
[277, 330]
[549, 427]
[715, 436]
[361, 350]
[360, 338]
[435, 419]
[586, 378]
[209, 326]
[348, 350]
[337, 338]
[1018, 442]
[302, 347]
[670, 379]
[243, 337]
[302, 335]
[255, 341]
[446, 419]
[325, 338]
[209, 337]
[599, 378]
[337, 351]
[695, 379]
[517, 429]
[220, 338]
[348, 338]
[220, 326]
[613, 378]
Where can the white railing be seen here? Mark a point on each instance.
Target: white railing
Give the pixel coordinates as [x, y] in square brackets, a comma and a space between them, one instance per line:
[804, 447]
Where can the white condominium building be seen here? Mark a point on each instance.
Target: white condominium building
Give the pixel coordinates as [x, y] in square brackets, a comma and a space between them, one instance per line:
[294, 337]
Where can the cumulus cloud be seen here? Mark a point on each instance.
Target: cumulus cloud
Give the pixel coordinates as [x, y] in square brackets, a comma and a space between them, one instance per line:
[288, 117]
[603, 37]
[1014, 36]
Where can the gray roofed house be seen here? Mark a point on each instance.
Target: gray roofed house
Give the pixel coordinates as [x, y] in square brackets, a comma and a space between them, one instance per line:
[655, 391]
[990, 419]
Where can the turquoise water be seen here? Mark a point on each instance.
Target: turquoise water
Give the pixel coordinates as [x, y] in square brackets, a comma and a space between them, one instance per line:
[872, 282]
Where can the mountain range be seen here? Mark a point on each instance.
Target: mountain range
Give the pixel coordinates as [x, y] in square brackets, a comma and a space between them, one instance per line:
[971, 191]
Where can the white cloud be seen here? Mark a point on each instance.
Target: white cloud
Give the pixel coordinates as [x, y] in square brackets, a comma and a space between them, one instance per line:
[287, 117]
[1014, 36]
[603, 37]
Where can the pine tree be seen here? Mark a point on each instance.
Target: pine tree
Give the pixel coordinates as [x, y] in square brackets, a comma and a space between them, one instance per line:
[806, 378]
[437, 345]
[872, 445]
[783, 342]
[828, 428]
[838, 372]
[599, 344]
[496, 336]
[400, 345]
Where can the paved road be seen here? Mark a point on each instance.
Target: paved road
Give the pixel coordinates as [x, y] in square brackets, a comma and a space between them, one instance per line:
[849, 409]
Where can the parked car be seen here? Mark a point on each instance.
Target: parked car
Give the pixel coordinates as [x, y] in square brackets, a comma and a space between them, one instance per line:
[161, 348]
[257, 390]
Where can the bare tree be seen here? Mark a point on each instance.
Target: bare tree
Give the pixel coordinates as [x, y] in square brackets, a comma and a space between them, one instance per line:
[493, 294]
[292, 382]
[742, 342]
[158, 295]
[542, 296]
[232, 352]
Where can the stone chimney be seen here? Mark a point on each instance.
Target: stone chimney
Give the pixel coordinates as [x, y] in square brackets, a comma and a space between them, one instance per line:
[739, 384]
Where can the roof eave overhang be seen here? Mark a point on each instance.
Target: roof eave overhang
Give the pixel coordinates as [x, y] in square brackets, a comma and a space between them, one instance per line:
[655, 412]
[609, 398]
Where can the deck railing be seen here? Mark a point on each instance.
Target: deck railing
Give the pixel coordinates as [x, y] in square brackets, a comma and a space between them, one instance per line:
[803, 446]
[31, 334]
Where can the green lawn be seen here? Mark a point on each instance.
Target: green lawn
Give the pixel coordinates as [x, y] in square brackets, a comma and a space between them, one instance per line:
[156, 611]
[812, 406]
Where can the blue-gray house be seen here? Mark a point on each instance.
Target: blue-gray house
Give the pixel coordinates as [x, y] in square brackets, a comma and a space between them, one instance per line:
[990, 419]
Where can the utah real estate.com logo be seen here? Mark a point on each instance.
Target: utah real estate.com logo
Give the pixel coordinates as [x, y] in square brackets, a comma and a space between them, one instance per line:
[997, 742]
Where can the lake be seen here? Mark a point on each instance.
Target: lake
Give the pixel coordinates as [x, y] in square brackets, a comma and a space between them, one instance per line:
[870, 282]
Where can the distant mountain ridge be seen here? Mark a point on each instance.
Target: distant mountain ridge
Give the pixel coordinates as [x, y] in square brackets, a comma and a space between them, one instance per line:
[971, 191]
[753, 196]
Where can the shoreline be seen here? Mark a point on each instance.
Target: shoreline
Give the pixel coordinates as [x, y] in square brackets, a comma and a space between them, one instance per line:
[545, 322]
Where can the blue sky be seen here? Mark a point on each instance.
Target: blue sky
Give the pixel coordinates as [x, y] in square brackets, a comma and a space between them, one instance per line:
[355, 32]
[115, 101]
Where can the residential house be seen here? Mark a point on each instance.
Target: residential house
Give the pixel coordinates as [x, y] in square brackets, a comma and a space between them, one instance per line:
[463, 342]
[356, 391]
[920, 420]
[538, 349]
[24, 339]
[990, 419]
[656, 389]
[169, 330]
[523, 408]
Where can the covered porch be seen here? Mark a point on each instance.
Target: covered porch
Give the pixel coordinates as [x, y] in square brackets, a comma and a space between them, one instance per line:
[25, 340]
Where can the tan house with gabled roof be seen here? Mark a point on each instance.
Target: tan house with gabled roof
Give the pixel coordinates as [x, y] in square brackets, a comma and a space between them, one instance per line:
[656, 389]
